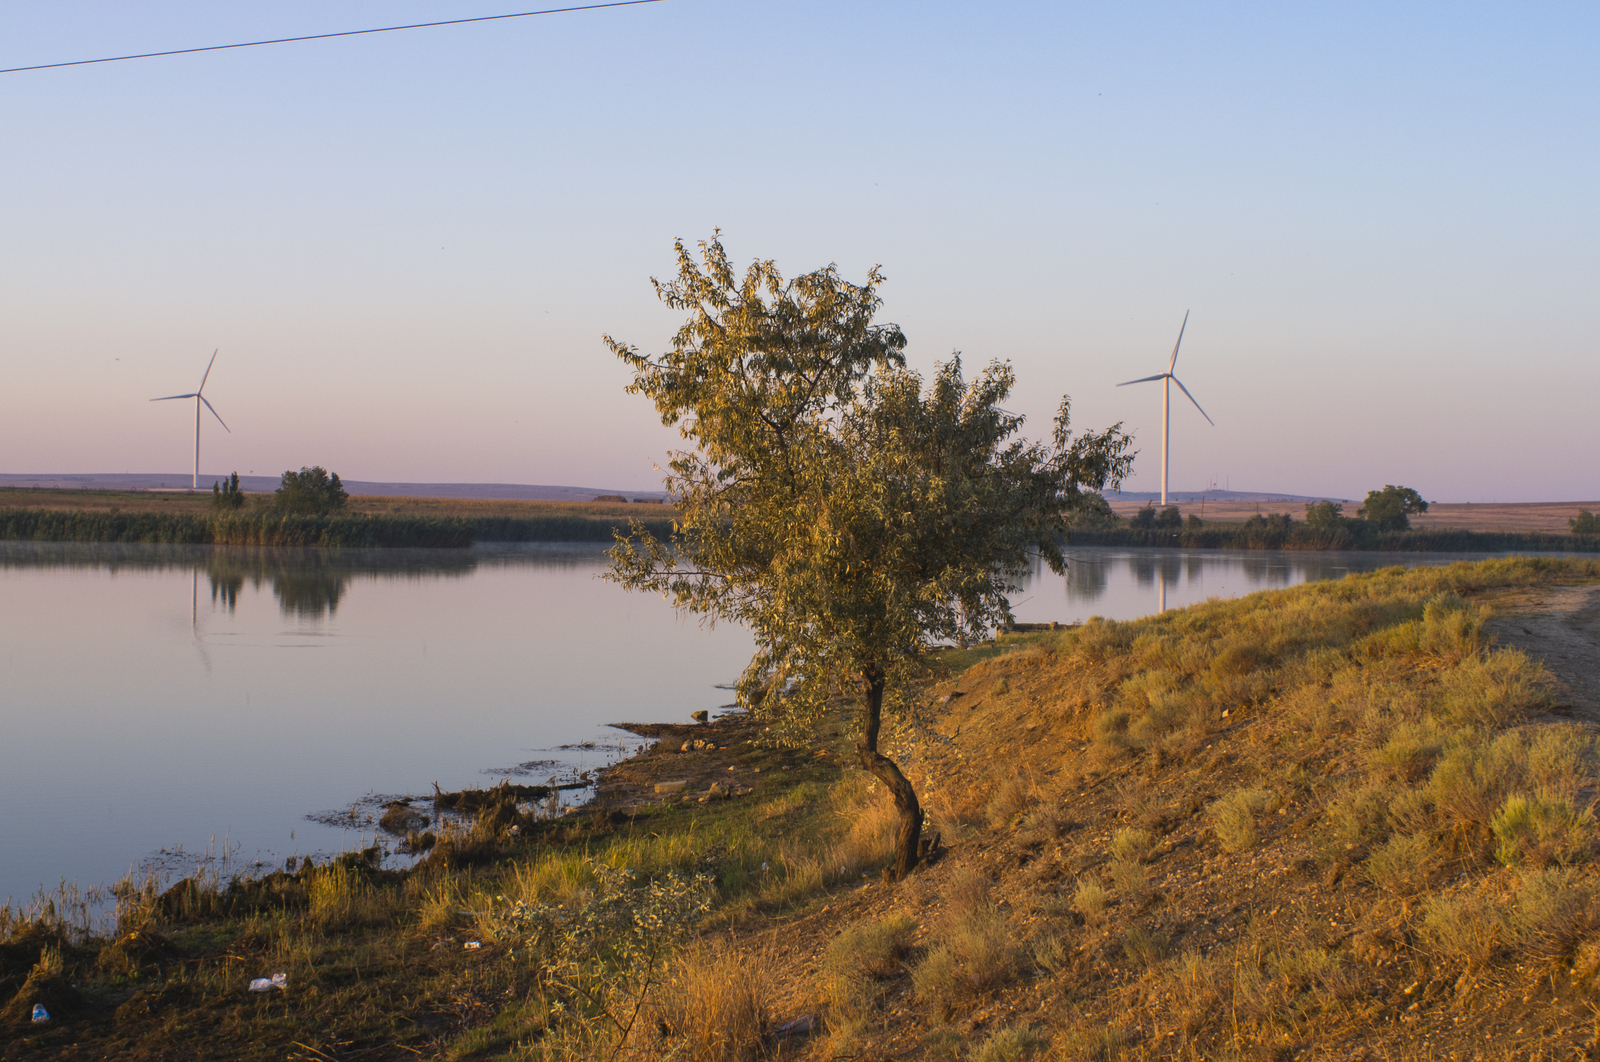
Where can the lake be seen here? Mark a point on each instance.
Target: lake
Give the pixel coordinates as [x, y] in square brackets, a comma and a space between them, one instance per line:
[159, 703]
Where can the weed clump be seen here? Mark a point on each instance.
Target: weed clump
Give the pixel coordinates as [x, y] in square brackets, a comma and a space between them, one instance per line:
[714, 1006]
[857, 963]
[1234, 817]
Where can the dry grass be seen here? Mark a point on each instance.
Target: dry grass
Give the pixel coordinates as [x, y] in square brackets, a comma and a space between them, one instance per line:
[1234, 817]
[716, 1006]
[855, 967]
[974, 950]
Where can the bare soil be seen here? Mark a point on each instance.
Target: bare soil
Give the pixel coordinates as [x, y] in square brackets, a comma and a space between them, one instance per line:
[1559, 625]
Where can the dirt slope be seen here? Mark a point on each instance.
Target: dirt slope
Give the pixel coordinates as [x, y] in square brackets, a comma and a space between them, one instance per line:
[1274, 857]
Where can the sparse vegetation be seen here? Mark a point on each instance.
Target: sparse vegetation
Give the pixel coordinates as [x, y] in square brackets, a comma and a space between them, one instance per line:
[1336, 819]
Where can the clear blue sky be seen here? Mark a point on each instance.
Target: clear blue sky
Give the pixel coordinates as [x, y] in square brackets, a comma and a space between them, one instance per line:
[1383, 217]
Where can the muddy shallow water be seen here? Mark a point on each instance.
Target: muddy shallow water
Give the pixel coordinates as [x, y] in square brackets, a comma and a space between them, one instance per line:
[160, 702]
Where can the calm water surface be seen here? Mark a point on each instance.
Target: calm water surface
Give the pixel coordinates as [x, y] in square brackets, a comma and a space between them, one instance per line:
[166, 699]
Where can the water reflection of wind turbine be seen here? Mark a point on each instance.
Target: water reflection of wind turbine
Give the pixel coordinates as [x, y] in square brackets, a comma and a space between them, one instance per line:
[1167, 379]
[198, 399]
[194, 619]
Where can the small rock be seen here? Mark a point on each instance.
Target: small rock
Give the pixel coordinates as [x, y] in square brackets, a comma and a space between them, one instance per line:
[663, 788]
[700, 717]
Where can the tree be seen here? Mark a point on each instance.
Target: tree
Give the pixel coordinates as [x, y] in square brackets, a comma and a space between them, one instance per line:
[1584, 523]
[849, 517]
[1324, 515]
[1390, 509]
[310, 490]
[226, 495]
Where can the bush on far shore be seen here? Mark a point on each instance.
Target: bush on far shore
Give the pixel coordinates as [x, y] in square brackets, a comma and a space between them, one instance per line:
[310, 490]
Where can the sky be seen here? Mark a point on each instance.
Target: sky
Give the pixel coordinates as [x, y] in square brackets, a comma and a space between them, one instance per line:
[1381, 219]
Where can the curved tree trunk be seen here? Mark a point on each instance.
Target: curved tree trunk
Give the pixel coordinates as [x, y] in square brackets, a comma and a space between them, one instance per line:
[908, 843]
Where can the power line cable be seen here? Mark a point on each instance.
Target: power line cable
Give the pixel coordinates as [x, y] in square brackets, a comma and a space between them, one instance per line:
[326, 36]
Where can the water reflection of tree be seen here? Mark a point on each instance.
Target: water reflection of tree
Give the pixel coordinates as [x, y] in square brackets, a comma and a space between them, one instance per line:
[1086, 580]
[310, 583]
[1146, 567]
[1272, 571]
[225, 589]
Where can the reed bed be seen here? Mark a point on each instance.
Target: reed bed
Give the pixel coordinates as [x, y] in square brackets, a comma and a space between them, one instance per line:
[1299, 536]
[349, 531]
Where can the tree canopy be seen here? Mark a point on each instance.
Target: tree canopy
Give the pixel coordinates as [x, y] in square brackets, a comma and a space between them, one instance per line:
[310, 490]
[1391, 508]
[226, 495]
[1325, 515]
[850, 513]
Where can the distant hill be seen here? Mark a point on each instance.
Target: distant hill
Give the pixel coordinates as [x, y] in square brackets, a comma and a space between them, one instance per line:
[181, 480]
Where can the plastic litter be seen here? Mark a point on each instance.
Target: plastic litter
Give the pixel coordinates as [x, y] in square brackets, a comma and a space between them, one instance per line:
[40, 1015]
[804, 1025]
[472, 945]
[267, 984]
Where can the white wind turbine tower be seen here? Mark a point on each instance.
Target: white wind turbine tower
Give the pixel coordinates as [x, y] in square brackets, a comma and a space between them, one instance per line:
[1167, 379]
[198, 399]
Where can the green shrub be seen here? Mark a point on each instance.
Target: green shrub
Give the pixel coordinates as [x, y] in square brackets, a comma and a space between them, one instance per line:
[1541, 829]
[1132, 844]
[1465, 929]
[1015, 1044]
[1554, 910]
[1090, 899]
[857, 960]
[1234, 817]
[1405, 865]
[310, 490]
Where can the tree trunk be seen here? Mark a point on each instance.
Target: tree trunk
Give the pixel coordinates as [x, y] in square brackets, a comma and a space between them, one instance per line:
[909, 841]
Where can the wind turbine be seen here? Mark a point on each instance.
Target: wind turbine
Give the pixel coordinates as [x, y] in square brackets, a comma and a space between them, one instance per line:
[198, 399]
[1167, 380]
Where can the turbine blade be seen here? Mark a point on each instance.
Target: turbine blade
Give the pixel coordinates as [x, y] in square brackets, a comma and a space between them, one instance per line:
[207, 376]
[165, 398]
[1174, 363]
[229, 430]
[1145, 379]
[1185, 390]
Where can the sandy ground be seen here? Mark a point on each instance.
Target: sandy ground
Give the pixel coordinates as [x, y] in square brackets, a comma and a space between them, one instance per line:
[1527, 516]
[1561, 626]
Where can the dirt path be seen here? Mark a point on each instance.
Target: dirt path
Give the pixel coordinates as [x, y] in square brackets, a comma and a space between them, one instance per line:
[1559, 625]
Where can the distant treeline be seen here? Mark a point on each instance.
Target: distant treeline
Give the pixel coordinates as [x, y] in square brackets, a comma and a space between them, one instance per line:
[283, 529]
[1284, 534]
